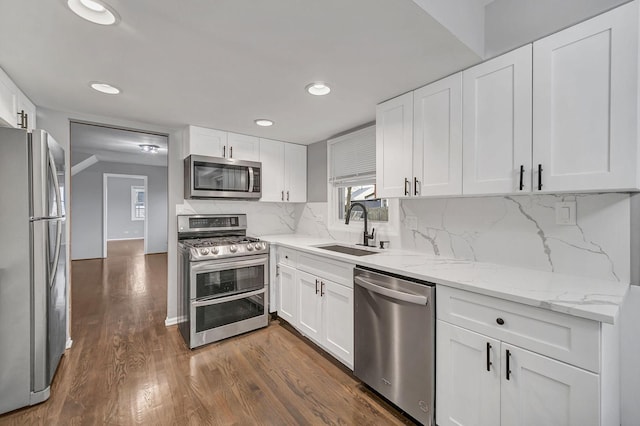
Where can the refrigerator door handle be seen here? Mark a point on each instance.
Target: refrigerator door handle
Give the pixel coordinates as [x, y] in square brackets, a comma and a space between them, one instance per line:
[56, 256]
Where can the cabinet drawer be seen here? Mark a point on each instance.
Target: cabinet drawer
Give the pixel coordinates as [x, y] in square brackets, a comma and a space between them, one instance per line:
[287, 256]
[339, 272]
[563, 337]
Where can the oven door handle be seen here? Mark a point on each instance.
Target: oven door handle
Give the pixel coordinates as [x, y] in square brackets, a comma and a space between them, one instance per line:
[208, 302]
[210, 266]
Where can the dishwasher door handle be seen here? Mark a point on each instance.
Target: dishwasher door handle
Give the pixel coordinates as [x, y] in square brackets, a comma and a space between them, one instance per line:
[394, 294]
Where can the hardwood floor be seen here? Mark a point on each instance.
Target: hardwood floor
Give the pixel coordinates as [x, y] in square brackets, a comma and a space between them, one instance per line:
[126, 367]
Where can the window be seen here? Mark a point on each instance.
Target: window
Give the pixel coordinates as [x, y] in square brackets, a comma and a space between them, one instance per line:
[137, 203]
[352, 176]
[377, 208]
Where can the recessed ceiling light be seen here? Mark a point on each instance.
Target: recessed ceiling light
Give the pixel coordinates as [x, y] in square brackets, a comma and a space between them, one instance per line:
[318, 88]
[153, 149]
[264, 122]
[105, 88]
[95, 11]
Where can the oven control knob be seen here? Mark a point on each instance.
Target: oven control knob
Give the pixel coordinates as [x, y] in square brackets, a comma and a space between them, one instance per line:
[263, 246]
[204, 251]
[215, 250]
[233, 248]
[250, 247]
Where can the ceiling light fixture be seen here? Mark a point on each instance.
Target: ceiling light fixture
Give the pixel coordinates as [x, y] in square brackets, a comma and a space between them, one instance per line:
[153, 149]
[95, 11]
[318, 88]
[105, 88]
[263, 122]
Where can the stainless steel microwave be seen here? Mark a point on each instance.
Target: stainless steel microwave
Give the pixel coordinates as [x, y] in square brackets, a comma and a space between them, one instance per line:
[213, 177]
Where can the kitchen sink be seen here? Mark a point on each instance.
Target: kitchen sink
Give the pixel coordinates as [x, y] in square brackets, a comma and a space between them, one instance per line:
[347, 250]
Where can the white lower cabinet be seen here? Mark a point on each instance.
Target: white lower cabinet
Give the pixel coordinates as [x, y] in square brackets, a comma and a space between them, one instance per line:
[326, 314]
[315, 295]
[287, 294]
[482, 379]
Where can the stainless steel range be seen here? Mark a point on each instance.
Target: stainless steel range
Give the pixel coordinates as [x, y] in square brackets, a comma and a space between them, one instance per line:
[223, 277]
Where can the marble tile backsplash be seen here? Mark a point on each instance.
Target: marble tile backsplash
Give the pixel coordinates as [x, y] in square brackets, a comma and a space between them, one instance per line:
[522, 231]
[508, 230]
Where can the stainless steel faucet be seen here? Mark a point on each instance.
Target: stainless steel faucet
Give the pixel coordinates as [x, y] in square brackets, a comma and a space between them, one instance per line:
[366, 236]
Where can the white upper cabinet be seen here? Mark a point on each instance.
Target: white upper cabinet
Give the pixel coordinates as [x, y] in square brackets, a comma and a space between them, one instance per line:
[8, 114]
[295, 173]
[24, 105]
[437, 138]
[13, 103]
[585, 104]
[243, 147]
[221, 144]
[394, 143]
[497, 124]
[284, 171]
[202, 141]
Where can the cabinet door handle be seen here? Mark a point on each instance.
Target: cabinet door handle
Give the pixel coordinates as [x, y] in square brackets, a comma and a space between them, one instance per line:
[316, 286]
[282, 197]
[287, 195]
[230, 152]
[224, 151]
[489, 356]
[539, 177]
[406, 190]
[508, 362]
[321, 288]
[415, 185]
[521, 177]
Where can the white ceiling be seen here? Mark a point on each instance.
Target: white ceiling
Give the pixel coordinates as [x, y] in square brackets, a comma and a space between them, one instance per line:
[116, 145]
[223, 63]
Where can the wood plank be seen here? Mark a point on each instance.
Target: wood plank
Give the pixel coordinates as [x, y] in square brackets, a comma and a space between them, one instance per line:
[126, 367]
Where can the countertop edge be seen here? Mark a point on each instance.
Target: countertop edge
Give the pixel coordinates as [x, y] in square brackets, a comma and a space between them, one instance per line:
[307, 244]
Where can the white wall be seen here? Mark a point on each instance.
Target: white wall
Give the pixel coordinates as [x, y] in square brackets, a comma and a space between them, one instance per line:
[119, 223]
[513, 23]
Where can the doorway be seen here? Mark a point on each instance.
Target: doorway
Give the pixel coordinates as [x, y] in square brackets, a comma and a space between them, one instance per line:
[124, 209]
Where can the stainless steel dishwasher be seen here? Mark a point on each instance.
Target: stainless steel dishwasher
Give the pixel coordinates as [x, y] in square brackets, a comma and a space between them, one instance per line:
[394, 336]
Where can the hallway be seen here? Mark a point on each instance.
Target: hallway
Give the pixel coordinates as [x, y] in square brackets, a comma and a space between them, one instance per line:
[126, 367]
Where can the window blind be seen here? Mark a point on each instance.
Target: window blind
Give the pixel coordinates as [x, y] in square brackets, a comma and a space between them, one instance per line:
[353, 158]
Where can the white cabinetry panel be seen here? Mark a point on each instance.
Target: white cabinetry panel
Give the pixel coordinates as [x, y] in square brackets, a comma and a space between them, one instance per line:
[394, 142]
[585, 104]
[437, 138]
[497, 124]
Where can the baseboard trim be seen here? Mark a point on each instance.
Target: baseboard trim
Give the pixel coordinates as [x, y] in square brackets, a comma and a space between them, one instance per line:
[68, 344]
[170, 321]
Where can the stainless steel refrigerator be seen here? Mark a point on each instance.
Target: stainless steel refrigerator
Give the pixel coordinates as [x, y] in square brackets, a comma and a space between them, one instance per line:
[33, 299]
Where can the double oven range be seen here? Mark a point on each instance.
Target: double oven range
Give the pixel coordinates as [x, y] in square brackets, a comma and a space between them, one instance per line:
[223, 275]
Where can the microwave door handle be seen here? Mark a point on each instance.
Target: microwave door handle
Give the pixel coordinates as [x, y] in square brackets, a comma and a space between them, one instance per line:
[250, 179]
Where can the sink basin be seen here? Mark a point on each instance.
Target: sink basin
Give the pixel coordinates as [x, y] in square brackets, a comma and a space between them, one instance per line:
[353, 251]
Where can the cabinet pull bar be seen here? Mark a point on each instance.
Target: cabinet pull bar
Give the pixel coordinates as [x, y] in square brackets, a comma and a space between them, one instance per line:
[521, 177]
[489, 356]
[230, 152]
[316, 286]
[539, 177]
[508, 362]
[406, 190]
[287, 195]
[282, 196]
[321, 288]
[415, 185]
[224, 151]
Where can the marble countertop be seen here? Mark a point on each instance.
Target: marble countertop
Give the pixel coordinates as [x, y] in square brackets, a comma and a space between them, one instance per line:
[594, 299]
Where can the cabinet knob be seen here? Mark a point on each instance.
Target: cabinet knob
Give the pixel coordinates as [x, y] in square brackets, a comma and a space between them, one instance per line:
[500, 321]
